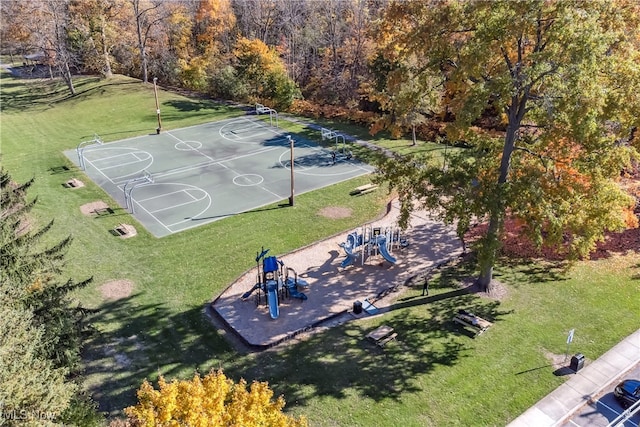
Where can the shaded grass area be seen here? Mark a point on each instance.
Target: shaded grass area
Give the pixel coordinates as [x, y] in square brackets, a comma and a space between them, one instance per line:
[435, 373]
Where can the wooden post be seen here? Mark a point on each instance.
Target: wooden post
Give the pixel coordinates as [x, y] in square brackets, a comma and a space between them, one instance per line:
[155, 91]
[292, 181]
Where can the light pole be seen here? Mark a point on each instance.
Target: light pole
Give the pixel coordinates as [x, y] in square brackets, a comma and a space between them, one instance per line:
[155, 91]
[292, 186]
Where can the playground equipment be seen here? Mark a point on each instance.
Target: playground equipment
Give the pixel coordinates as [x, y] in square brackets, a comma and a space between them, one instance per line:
[275, 282]
[370, 242]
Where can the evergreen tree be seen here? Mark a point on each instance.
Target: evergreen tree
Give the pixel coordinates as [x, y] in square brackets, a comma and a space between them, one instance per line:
[42, 330]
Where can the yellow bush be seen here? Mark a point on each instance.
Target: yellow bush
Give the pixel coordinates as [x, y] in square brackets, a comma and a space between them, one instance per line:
[212, 400]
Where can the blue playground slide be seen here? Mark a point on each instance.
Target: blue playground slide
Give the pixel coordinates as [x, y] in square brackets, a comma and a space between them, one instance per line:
[272, 298]
[381, 241]
[353, 240]
[293, 290]
[351, 257]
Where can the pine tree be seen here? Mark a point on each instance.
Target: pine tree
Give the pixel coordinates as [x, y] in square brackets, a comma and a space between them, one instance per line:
[30, 385]
[41, 331]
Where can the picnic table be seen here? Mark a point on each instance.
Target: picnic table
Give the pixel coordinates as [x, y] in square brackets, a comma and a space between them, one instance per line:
[382, 335]
[471, 320]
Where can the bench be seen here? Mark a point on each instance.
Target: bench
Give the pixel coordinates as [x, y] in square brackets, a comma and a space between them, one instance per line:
[472, 321]
[363, 189]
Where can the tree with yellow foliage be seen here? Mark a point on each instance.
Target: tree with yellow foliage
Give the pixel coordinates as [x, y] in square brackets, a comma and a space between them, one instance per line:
[262, 70]
[212, 400]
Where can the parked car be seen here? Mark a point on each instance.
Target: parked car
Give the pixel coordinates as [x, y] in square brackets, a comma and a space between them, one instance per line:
[627, 392]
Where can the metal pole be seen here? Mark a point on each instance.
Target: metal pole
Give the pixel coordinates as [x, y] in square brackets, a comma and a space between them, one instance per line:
[155, 91]
[292, 182]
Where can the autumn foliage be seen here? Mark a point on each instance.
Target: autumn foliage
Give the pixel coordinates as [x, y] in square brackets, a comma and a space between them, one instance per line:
[212, 400]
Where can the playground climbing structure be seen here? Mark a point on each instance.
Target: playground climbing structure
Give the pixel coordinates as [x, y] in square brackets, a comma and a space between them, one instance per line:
[372, 241]
[275, 281]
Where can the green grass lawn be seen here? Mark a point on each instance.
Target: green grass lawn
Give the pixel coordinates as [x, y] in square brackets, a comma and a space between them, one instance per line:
[434, 374]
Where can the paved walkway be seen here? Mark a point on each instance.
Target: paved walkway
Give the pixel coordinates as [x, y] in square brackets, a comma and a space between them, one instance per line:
[561, 403]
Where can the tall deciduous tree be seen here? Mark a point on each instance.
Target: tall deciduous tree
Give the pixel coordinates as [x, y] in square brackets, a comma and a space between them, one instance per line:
[95, 23]
[403, 99]
[212, 27]
[260, 67]
[561, 75]
[212, 400]
[148, 14]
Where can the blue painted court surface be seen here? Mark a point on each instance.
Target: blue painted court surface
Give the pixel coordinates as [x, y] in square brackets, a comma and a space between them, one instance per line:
[189, 177]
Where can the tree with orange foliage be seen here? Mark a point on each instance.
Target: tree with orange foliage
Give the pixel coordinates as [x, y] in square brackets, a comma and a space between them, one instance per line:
[561, 77]
[212, 400]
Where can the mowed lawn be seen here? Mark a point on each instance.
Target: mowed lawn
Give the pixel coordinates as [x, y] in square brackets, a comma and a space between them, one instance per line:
[435, 374]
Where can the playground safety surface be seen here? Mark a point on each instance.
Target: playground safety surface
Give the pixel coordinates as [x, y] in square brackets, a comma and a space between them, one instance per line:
[333, 290]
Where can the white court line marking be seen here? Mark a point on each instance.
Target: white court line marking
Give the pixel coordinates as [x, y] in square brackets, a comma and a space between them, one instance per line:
[112, 157]
[196, 145]
[271, 192]
[118, 179]
[246, 176]
[153, 216]
[308, 170]
[255, 123]
[179, 205]
[99, 171]
[195, 149]
[196, 215]
[125, 164]
[167, 194]
[166, 226]
[217, 162]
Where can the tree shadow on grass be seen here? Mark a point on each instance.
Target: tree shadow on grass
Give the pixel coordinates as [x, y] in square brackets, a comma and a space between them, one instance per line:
[139, 340]
[146, 340]
[192, 105]
[340, 361]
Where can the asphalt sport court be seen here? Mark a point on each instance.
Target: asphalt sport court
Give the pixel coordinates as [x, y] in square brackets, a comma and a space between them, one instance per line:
[188, 177]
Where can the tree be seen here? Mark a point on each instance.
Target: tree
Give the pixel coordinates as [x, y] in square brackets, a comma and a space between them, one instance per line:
[41, 350]
[15, 29]
[28, 381]
[341, 50]
[148, 14]
[401, 97]
[208, 46]
[57, 40]
[212, 400]
[560, 75]
[262, 70]
[94, 26]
